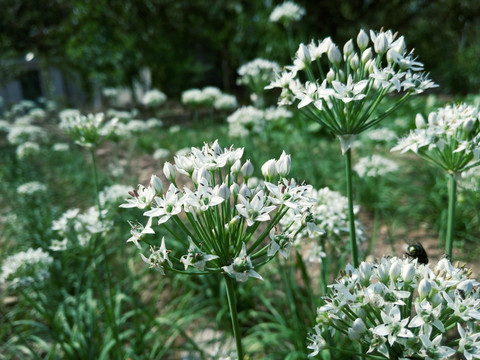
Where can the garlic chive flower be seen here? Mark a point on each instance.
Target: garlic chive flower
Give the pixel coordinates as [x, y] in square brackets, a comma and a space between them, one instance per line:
[342, 90]
[225, 222]
[287, 12]
[450, 139]
[397, 308]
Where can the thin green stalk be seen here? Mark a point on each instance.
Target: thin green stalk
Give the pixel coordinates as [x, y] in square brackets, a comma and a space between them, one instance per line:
[232, 305]
[351, 216]
[452, 197]
[95, 180]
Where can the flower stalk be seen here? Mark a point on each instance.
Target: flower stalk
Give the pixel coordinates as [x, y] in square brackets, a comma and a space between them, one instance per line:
[232, 306]
[351, 215]
[452, 197]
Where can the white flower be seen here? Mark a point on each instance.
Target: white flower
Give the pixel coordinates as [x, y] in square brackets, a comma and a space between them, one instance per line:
[393, 326]
[138, 231]
[241, 268]
[287, 12]
[374, 166]
[167, 206]
[195, 257]
[153, 97]
[157, 258]
[350, 91]
[255, 210]
[140, 198]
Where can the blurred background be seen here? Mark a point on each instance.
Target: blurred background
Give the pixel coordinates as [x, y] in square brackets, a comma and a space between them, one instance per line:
[69, 51]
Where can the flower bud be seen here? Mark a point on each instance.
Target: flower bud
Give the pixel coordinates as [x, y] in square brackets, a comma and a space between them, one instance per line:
[359, 326]
[354, 62]
[169, 171]
[468, 125]
[269, 169]
[392, 56]
[245, 192]
[365, 272]
[341, 76]
[436, 300]
[370, 66]
[400, 45]
[362, 40]
[348, 48]
[420, 121]
[224, 191]
[303, 54]
[283, 165]
[235, 189]
[353, 335]
[466, 286]
[247, 169]
[334, 55]
[432, 118]
[408, 273]
[330, 75]
[424, 288]
[381, 44]
[395, 271]
[203, 174]
[235, 169]
[367, 55]
[157, 184]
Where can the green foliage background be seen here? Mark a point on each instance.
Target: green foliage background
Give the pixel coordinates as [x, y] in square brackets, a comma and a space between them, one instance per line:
[194, 43]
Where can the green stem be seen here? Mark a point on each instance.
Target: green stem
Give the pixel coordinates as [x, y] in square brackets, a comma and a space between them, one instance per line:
[452, 195]
[95, 181]
[351, 216]
[232, 305]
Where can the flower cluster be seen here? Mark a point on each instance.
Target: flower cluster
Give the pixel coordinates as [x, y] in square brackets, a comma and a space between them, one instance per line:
[153, 98]
[398, 308]
[209, 97]
[328, 222]
[27, 149]
[375, 166]
[31, 188]
[449, 139]
[223, 224]
[25, 268]
[78, 229]
[257, 74]
[287, 12]
[88, 131]
[19, 133]
[341, 90]
[249, 120]
[470, 179]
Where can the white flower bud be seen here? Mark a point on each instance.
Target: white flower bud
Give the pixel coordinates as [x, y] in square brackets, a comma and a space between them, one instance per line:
[303, 54]
[204, 174]
[424, 288]
[359, 326]
[334, 55]
[269, 169]
[468, 125]
[235, 169]
[367, 55]
[408, 273]
[400, 45]
[224, 191]
[432, 118]
[381, 44]
[247, 169]
[169, 171]
[365, 272]
[341, 76]
[354, 62]
[370, 66]
[362, 40]
[353, 335]
[348, 48]
[330, 75]
[392, 54]
[420, 121]
[283, 164]
[235, 189]
[245, 191]
[436, 300]
[395, 271]
[157, 184]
